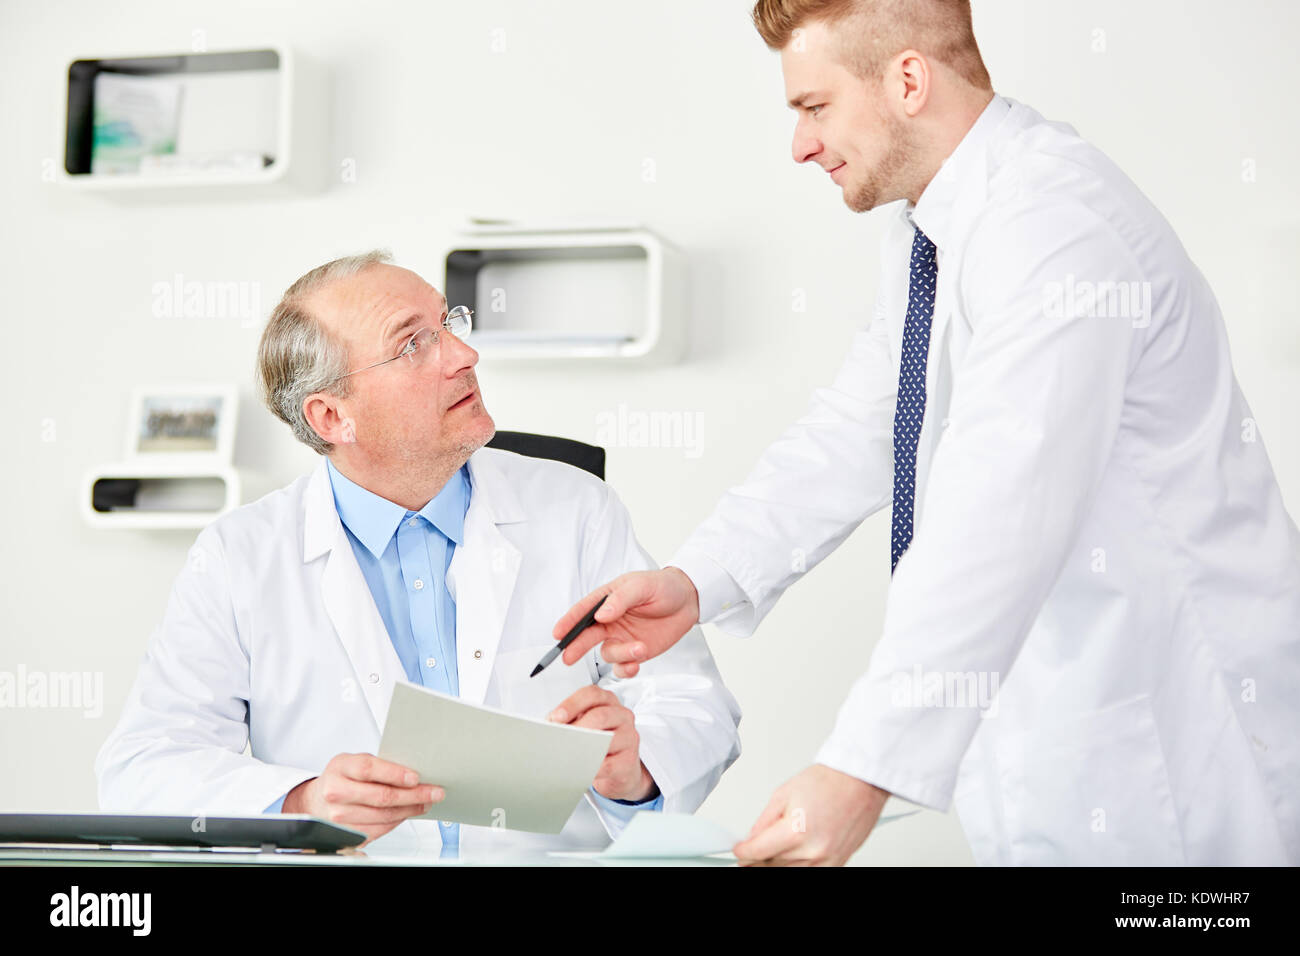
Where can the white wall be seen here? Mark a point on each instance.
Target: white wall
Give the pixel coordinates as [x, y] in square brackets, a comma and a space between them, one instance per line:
[559, 124]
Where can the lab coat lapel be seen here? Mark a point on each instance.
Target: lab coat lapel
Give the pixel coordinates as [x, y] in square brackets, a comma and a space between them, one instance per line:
[348, 602]
[483, 573]
[939, 370]
[961, 192]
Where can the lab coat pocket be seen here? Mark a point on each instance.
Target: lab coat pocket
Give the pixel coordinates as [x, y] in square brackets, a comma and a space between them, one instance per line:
[1092, 790]
[534, 696]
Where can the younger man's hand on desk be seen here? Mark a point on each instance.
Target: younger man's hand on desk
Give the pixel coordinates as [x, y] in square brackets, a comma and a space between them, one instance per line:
[363, 792]
[622, 775]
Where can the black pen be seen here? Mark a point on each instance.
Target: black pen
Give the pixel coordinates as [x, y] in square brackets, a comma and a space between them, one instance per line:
[587, 620]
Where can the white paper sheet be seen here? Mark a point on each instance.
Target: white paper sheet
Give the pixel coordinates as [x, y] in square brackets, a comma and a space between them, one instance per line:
[650, 835]
[497, 769]
[661, 836]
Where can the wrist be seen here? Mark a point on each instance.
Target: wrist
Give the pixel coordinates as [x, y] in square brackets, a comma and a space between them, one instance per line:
[646, 789]
[692, 592]
[649, 789]
[295, 801]
[875, 797]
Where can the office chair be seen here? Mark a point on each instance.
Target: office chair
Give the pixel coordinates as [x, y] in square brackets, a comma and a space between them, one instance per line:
[590, 458]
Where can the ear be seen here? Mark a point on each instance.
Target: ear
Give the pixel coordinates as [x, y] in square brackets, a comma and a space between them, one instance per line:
[913, 78]
[328, 419]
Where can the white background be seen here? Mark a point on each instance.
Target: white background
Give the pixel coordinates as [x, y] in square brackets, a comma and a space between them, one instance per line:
[1183, 94]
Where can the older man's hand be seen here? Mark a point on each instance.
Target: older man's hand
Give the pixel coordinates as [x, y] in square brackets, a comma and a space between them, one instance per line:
[622, 775]
[818, 818]
[364, 792]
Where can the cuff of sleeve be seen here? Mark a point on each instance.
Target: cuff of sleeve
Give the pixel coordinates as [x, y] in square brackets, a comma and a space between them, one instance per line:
[280, 780]
[842, 755]
[717, 589]
[649, 803]
[615, 814]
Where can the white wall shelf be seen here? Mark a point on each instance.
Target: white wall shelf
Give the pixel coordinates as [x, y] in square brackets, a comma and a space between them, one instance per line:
[142, 494]
[270, 101]
[552, 293]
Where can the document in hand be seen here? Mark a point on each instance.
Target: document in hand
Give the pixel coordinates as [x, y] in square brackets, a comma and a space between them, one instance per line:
[497, 769]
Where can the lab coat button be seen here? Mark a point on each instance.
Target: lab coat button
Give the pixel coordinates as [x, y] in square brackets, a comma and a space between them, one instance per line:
[477, 655]
[374, 678]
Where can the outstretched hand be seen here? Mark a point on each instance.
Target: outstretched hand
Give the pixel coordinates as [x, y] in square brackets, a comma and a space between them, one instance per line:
[646, 613]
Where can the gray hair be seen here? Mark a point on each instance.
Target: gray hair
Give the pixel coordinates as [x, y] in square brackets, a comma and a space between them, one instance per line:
[298, 356]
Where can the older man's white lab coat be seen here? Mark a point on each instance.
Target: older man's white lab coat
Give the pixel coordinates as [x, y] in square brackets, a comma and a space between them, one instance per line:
[271, 637]
[1099, 536]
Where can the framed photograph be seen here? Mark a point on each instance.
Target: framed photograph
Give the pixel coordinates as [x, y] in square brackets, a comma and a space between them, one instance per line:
[183, 421]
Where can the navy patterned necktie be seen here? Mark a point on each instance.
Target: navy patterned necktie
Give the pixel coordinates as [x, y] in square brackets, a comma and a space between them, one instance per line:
[909, 411]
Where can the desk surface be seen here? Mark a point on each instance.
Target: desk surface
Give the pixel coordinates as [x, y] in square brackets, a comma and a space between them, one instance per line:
[135, 856]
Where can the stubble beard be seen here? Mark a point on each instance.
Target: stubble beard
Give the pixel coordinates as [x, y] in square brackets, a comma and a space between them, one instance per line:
[881, 184]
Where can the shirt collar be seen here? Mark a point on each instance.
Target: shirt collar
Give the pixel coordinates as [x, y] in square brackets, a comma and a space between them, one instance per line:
[933, 212]
[374, 520]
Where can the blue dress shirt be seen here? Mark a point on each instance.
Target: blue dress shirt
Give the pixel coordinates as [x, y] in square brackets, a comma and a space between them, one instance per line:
[404, 557]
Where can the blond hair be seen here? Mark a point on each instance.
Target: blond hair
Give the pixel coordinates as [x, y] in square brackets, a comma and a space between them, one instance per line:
[872, 32]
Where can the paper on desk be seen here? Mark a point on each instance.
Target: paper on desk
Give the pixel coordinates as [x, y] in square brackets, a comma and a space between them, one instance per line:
[497, 769]
[651, 836]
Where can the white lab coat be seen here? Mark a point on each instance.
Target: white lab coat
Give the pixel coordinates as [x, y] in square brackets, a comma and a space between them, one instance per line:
[1098, 530]
[271, 638]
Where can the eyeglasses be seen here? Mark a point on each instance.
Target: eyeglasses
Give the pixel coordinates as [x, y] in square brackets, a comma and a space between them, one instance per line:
[423, 344]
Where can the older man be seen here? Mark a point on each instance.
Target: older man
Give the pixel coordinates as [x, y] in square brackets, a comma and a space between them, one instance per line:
[410, 553]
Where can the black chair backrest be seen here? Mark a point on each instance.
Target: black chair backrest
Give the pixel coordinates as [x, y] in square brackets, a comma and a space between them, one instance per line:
[589, 458]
